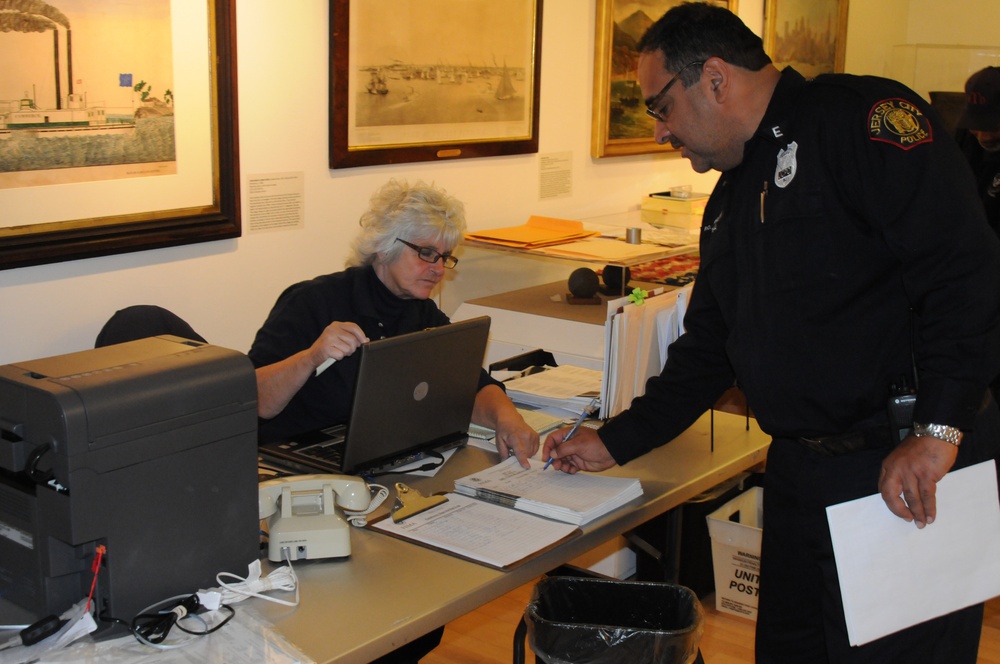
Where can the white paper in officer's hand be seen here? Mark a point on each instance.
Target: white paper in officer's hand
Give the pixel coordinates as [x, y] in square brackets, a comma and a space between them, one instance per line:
[894, 575]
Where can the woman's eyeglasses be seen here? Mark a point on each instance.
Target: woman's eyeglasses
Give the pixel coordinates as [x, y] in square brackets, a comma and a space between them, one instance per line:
[431, 255]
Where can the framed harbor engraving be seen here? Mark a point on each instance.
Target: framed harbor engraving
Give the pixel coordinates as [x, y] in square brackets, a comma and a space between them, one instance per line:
[619, 124]
[432, 80]
[118, 127]
[809, 35]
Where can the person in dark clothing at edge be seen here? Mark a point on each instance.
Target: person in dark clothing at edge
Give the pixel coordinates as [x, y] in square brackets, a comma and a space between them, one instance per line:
[406, 241]
[978, 134]
[843, 250]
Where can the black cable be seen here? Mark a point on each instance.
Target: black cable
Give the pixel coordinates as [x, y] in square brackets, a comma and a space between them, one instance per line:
[154, 627]
[232, 612]
[104, 617]
[426, 466]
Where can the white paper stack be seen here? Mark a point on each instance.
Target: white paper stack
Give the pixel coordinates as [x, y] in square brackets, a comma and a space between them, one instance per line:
[566, 387]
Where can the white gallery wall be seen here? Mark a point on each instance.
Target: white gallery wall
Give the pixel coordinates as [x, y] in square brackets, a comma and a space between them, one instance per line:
[225, 288]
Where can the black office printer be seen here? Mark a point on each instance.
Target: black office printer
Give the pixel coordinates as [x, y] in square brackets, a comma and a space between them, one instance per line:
[148, 448]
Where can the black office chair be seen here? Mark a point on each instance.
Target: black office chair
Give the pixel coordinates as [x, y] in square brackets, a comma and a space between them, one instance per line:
[143, 320]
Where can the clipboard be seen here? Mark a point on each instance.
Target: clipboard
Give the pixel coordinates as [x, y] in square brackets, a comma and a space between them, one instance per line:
[480, 532]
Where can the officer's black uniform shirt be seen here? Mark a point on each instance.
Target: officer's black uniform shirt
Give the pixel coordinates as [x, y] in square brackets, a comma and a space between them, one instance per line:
[300, 315]
[850, 207]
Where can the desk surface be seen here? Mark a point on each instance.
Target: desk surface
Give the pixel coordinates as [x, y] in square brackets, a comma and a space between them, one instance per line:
[390, 591]
[551, 300]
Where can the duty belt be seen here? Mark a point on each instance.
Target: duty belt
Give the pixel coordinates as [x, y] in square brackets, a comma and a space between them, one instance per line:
[853, 441]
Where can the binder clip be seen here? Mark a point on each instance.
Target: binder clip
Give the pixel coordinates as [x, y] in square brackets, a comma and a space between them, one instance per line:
[410, 502]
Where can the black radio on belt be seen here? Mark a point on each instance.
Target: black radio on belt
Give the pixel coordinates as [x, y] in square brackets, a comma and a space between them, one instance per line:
[902, 399]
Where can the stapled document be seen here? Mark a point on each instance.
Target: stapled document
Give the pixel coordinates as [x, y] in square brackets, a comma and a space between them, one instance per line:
[578, 498]
[480, 531]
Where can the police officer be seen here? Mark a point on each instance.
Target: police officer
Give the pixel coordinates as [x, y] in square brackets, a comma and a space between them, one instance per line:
[843, 251]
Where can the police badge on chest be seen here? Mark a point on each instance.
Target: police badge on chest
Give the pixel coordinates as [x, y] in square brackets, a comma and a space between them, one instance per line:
[787, 165]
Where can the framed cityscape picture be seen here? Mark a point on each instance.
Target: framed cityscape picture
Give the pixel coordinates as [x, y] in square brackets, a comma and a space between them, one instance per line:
[809, 35]
[433, 80]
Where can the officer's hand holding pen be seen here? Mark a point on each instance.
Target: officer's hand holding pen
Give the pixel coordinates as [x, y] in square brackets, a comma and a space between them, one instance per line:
[585, 451]
[576, 425]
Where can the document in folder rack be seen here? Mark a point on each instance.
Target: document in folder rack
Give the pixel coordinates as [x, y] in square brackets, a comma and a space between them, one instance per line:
[636, 338]
[537, 232]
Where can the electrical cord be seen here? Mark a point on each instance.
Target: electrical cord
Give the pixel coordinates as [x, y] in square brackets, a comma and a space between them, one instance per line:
[213, 628]
[49, 634]
[282, 578]
[151, 626]
[31, 634]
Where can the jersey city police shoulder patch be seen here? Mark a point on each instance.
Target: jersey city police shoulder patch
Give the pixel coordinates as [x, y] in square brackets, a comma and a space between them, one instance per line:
[899, 123]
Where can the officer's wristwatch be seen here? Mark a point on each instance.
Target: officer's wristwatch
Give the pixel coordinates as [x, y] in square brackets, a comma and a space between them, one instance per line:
[944, 432]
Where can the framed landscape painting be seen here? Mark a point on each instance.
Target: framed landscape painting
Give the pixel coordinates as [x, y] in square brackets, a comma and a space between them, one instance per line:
[620, 125]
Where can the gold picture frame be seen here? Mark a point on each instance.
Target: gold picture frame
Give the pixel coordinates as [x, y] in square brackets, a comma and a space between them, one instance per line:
[214, 212]
[619, 125]
[809, 35]
[433, 80]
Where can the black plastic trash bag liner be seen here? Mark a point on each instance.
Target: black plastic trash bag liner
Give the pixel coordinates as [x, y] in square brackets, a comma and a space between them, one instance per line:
[573, 620]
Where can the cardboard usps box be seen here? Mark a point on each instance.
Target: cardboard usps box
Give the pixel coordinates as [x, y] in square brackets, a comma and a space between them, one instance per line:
[735, 530]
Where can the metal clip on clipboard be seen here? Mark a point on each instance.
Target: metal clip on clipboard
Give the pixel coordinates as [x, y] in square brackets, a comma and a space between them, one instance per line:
[410, 502]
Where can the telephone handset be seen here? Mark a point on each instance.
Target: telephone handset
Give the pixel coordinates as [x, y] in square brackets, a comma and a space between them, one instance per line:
[303, 512]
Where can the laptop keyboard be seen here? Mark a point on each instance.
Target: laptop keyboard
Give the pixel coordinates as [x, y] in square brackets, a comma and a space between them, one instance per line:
[331, 452]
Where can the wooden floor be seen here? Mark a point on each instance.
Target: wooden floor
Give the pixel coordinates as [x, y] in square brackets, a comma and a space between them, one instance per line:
[485, 636]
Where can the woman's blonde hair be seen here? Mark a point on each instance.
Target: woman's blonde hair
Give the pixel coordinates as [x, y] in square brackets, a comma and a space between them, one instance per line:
[420, 213]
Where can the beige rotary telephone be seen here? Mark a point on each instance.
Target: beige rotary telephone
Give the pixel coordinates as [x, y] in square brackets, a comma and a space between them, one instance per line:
[304, 518]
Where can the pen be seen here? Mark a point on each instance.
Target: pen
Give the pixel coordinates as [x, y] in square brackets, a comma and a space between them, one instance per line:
[572, 432]
[763, 199]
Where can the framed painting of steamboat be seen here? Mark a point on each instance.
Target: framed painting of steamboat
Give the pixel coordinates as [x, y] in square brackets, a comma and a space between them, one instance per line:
[118, 127]
[620, 125]
[432, 80]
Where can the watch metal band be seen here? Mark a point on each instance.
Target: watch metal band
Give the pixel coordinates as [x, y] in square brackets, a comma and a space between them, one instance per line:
[943, 432]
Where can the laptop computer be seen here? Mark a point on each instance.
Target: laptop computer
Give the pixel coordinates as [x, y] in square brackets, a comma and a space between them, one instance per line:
[413, 399]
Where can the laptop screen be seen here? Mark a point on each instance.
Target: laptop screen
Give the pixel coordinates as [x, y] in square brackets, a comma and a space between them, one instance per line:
[413, 393]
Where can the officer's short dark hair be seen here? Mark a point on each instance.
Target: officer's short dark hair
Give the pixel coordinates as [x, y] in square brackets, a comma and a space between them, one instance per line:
[696, 31]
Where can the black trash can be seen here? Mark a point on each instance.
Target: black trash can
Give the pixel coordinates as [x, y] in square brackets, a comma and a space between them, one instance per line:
[573, 620]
